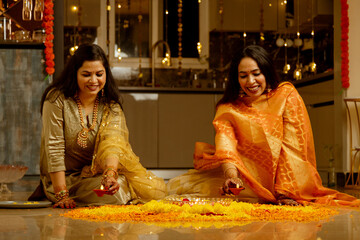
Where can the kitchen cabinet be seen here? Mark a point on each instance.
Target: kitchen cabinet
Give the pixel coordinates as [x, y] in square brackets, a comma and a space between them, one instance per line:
[141, 112]
[183, 120]
[164, 127]
[319, 100]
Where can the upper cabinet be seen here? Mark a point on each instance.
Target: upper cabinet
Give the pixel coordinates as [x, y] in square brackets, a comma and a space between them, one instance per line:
[276, 16]
[82, 13]
[247, 15]
[177, 38]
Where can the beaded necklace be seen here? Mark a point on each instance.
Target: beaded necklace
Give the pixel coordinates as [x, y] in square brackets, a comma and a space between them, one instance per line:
[83, 134]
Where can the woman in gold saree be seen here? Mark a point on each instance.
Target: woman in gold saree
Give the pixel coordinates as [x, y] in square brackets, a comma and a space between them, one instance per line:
[263, 142]
[84, 142]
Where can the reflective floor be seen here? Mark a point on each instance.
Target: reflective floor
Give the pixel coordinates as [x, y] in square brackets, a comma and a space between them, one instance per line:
[46, 223]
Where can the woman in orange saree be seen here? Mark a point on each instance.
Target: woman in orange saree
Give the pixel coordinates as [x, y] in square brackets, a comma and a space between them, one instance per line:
[263, 142]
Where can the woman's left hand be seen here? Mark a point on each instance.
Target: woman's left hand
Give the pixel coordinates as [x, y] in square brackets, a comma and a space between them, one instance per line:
[110, 183]
[231, 183]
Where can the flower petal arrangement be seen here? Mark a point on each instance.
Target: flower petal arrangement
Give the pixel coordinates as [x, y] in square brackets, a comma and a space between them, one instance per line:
[167, 214]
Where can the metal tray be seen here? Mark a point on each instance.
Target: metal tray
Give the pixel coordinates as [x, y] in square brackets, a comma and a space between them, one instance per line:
[25, 204]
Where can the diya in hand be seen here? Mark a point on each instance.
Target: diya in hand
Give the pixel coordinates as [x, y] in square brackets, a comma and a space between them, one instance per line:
[236, 191]
[100, 192]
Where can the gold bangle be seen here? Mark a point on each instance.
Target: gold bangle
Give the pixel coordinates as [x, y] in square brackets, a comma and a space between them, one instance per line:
[115, 175]
[61, 195]
[230, 168]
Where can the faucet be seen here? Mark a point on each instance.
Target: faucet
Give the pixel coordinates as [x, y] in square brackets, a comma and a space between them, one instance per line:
[166, 60]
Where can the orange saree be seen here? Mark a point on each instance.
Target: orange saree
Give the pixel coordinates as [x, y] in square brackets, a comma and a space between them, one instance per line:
[270, 141]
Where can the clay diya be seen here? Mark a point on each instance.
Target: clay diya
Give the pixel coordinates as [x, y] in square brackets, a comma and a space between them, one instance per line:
[100, 192]
[236, 191]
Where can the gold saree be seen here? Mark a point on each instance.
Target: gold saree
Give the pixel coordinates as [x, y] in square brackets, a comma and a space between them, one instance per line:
[60, 152]
[269, 139]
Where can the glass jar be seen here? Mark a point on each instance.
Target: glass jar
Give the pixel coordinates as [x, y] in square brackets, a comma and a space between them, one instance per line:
[39, 35]
[5, 29]
[22, 36]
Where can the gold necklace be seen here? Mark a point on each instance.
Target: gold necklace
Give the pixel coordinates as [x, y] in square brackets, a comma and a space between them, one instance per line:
[83, 134]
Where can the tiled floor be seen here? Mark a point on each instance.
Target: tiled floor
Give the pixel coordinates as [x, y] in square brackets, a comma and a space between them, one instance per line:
[46, 223]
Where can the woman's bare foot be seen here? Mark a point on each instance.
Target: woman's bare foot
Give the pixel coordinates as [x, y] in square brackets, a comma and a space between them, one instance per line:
[287, 201]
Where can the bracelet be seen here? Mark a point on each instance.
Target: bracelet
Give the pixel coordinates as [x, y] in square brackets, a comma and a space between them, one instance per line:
[230, 168]
[115, 173]
[61, 195]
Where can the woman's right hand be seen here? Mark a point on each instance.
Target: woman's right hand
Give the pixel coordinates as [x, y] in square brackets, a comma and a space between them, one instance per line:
[65, 203]
[234, 182]
[110, 183]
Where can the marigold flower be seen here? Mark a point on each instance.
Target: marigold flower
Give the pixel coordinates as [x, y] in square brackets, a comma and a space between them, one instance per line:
[48, 25]
[204, 215]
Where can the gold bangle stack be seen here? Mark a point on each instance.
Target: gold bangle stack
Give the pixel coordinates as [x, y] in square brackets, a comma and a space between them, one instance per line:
[61, 195]
[113, 174]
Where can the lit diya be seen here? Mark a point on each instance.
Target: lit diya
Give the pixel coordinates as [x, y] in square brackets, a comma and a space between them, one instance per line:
[236, 191]
[100, 192]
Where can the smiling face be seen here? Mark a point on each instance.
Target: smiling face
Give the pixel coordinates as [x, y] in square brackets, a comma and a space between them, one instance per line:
[91, 78]
[251, 80]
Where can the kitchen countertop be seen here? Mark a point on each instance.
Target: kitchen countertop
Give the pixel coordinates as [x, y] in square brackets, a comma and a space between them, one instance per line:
[318, 78]
[170, 90]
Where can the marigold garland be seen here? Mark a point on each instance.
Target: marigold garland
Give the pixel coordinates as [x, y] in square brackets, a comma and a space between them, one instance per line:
[172, 215]
[344, 44]
[48, 24]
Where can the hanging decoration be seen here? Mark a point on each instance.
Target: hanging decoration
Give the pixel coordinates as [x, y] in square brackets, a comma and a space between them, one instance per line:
[108, 9]
[199, 48]
[344, 44]
[140, 17]
[77, 29]
[244, 34]
[287, 67]
[48, 24]
[166, 21]
[199, 45]
[180, 28]
[118, 50]
[262, 36]
[312, 65]
[297, 71]
[221, 13]
[281, 42]
[166, 61]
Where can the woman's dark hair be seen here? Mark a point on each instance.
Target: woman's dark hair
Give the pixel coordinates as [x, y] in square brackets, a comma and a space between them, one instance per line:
[263, 60]
[66, 83]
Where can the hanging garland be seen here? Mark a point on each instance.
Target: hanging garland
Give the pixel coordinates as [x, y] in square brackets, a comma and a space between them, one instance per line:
[48, 24]
[180, 29]
[344, 44]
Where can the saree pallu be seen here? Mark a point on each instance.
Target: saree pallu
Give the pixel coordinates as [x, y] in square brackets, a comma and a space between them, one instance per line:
[269, 140]
[113, 141]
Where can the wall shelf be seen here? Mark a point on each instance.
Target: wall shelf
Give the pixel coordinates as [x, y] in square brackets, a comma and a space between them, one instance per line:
[21, 45]
[318, 78]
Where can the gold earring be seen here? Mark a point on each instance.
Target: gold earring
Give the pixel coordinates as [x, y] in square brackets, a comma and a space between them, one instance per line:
[102, 93]
[241, 93]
